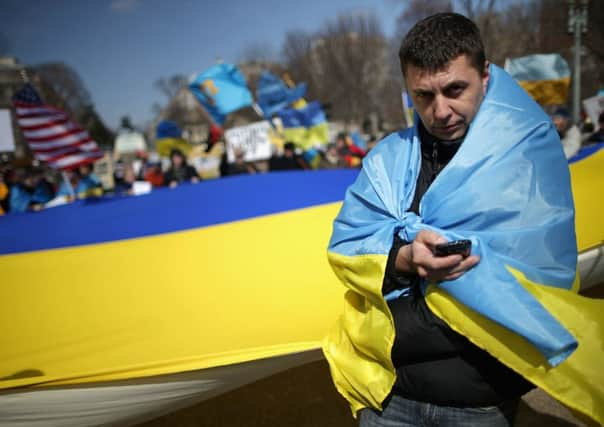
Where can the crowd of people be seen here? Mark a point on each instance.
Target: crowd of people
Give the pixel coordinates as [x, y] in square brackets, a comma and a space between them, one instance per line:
[34, 188]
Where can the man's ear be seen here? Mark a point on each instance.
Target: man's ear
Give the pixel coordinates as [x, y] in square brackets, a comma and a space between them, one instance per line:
[485, 76]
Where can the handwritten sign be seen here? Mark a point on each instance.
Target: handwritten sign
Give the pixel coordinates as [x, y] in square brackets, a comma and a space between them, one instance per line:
[252, 141]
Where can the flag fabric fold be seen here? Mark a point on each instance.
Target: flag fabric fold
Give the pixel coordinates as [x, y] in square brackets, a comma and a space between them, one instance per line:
[546, 77]
[508, 190]
[51, 135]
[221, 89]
[273, 94]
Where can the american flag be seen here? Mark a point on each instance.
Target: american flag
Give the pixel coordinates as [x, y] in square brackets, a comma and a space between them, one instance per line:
[51, 136]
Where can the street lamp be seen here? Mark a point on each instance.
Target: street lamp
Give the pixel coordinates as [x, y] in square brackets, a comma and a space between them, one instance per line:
[577, 25]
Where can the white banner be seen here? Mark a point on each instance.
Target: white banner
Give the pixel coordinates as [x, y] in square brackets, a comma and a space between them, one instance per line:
[7, 140]
[253, 140]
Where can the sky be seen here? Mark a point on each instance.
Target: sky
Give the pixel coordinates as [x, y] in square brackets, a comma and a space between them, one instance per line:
[120, 47]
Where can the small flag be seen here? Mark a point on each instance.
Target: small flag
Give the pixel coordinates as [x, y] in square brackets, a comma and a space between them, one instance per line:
[221, 89]
[407, 108]
[546, 77]
[274, 95]
[51, 136]
[306, 127]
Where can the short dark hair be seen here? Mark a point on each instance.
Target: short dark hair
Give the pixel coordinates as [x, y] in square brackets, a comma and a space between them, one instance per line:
[438, 39]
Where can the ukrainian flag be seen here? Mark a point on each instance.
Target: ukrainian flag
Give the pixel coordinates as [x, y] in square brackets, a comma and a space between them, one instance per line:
[546, 77]
[306, 127]
[273, 95]
[221, 89]
[508, 190]
[172, 281]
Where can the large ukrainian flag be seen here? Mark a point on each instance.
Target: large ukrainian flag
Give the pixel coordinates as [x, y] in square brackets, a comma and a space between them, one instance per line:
[222, 272]
[508, 190]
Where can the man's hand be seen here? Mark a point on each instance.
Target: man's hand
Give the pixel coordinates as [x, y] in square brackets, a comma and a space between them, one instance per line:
[417, 257]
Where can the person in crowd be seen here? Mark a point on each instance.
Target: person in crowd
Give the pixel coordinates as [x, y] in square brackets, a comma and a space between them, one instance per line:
[125, 187]
[26, 194]
[180, 171]
[390, 355]
[348, 151]
[289, 160]
[215, 133]
[371, 143]
[331, 159]
[240, 166]
[570, 135]
[3, 194]
[153, 171]
[88, 183]
[118, 171]
[44, 190]
[68, 185]
[598, 135]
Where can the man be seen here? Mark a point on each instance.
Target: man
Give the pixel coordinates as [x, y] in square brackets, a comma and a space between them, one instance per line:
[288, 161]
[570, 135]
[484, 163]
[597, 136]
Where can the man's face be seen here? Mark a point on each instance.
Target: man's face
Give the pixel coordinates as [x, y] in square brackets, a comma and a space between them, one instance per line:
[447, 100]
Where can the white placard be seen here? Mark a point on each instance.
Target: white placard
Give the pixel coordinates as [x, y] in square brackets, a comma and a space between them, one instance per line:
[7, 139]
[141, 187]
[252, 139]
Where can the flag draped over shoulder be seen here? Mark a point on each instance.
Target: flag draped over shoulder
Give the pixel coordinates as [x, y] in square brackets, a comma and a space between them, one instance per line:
[508, 190]
[51, 135]
[306, 126]
[546, 77]
[274, 95]
[221, 89]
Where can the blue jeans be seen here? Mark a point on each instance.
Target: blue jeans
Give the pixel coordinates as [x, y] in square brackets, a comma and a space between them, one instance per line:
[401, 412]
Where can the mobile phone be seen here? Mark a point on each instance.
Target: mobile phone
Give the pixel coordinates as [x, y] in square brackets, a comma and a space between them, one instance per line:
[461, 247]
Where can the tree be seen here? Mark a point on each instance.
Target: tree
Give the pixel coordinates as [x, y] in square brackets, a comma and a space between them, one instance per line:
[344, 64]
[258, 52]
[62, 87]
[174, 109]
[416, 10]
[170, 86]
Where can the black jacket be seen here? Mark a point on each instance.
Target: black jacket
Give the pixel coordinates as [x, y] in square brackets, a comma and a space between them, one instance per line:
[434, 363]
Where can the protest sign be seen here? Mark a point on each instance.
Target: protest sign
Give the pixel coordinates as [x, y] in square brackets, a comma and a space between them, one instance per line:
[7, 140]
[253, 140]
